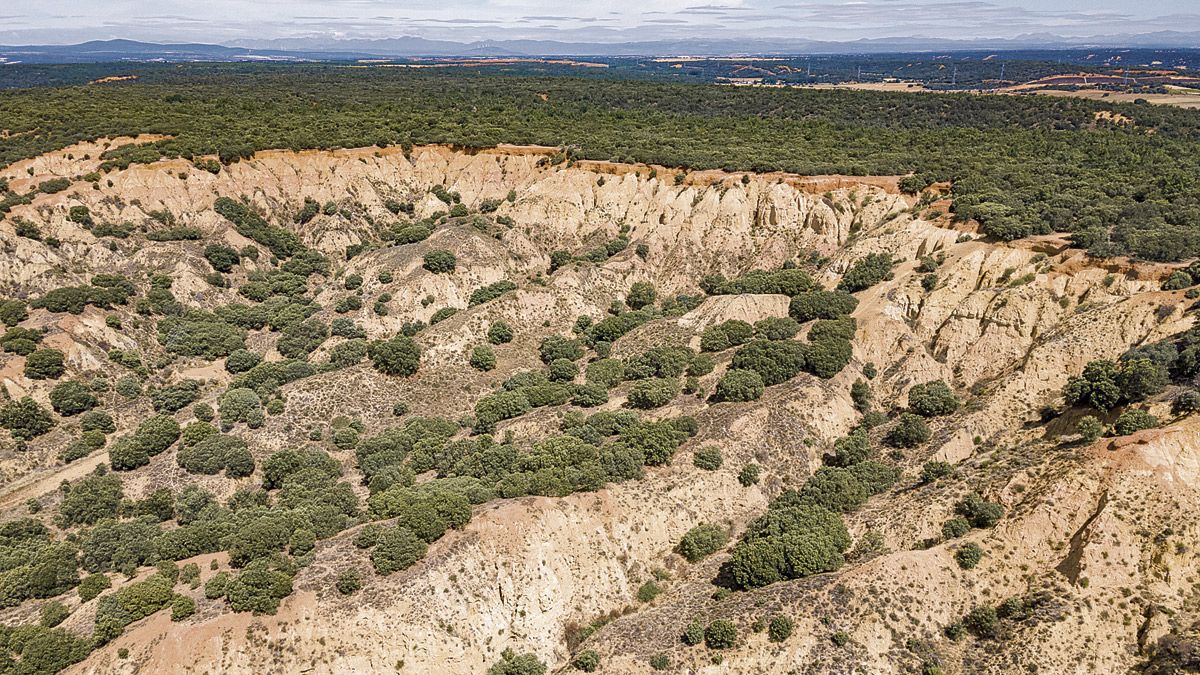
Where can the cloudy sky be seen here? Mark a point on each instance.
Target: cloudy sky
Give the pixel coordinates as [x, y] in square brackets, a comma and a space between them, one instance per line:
[244, 22]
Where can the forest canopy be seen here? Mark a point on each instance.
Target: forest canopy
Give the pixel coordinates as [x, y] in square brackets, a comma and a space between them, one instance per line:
[1123, 183]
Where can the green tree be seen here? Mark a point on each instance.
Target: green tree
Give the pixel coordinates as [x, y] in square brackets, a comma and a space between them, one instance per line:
[440, 261]
[932, 399]
[1089, 428]
[708, 458]
[968, 555]
[652, 393]
[587, 661]
[909, 432]
[640, 295]
[499, 333]
[780, 628]
[1134, 420]
[511, 663]
[720, 634]
[44, 364]
[25, 419]
[482, 358]
[866, 272]
[702, 540]
[398, 548]
[739, 385]
[397, 356]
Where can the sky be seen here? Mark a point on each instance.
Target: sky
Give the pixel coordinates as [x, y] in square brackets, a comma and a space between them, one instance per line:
[250, 22]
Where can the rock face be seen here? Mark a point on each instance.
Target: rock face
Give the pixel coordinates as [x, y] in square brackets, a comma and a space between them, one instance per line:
[1101, 535]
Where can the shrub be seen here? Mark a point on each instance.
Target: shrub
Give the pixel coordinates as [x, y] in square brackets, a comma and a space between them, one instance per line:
[648, 591]
[93, 585]
[909, 432]
[53, 613]
[1132, 421]
[724, 335]
[782, 282]
[1089, 428]
[606, 372]
[652, 393]
[182, 607]
[241, 405]
[932, 399]
[776, 328]
[749, 475]
[90, 500]
[701, 365]
[126, 455]
[968, 555]
[554, 347]
[934, 470]
[25, 419]
[563, 370]
[775, 361]
[490, 292]
[500, 406]
[348, 582]
[175, 397]
[511, 663]
[1186, 402]
[640, 295]
[12, 312]
[398, 548]
[499, 333]
[739, 385]
[693, 634]
[440, 261]
[822, 305]
[1178, 281]
[1105, 384]
[780, 629]
[97, 420]
[955, 528]
[982, 621]
[708, 458]
[587, 661]
[282, 243]
[348, 353]
[71, 398]
[659, 662]
[44, 364]
[702, 540]
[397, 356]
[258, 588]
[221, 257]
[978, 512]
[300, 339]
[866, 272]
[720, 634]
[588, 395]
[826, 358]
[215, 453]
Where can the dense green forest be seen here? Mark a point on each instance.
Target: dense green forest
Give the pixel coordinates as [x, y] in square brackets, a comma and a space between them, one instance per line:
[1019, 165]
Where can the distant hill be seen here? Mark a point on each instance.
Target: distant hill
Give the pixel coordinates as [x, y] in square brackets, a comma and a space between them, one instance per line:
[324, 49]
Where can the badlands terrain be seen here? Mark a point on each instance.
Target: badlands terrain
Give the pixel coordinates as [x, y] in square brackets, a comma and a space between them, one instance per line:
[986, 529]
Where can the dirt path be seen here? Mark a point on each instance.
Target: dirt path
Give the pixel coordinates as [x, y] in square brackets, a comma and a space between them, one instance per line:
[38, 484]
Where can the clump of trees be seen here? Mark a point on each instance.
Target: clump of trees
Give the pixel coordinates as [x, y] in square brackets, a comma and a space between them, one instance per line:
[866, 272]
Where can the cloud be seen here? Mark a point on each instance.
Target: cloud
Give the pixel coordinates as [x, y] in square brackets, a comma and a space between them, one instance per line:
[58, 21]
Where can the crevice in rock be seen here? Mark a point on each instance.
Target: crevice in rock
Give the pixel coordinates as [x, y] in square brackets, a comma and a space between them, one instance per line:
[1070, 567]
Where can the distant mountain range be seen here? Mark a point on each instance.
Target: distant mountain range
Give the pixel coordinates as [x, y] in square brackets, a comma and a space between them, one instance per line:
[324, 49]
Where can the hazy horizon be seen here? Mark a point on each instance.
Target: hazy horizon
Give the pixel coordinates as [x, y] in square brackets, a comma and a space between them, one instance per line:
[257, 24]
